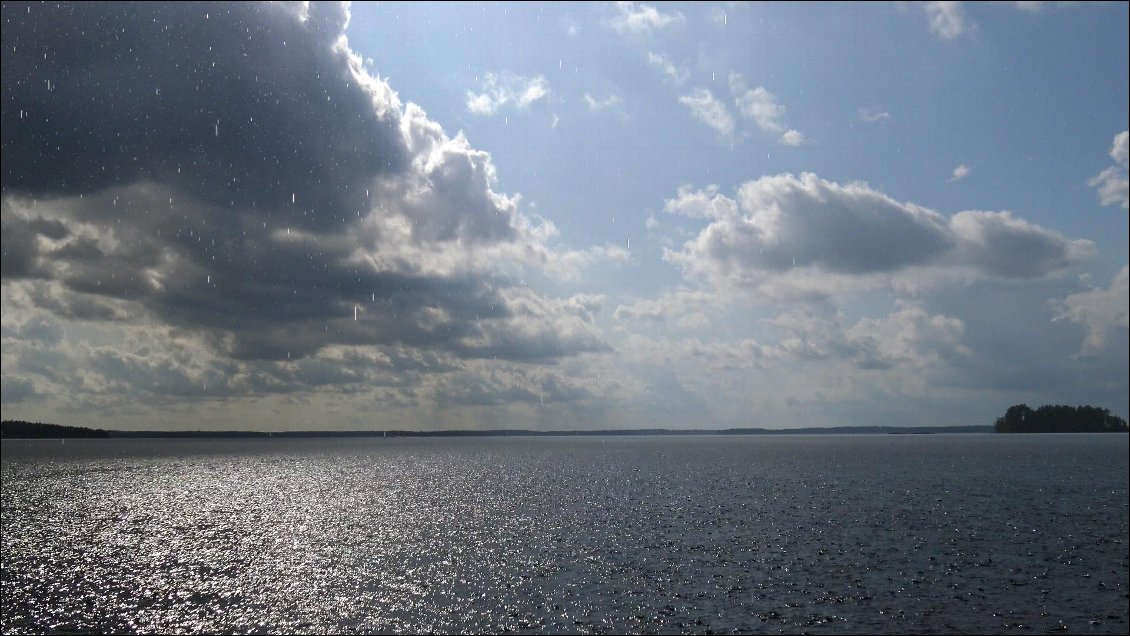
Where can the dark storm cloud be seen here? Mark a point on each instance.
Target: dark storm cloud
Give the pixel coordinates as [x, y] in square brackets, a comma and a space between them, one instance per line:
[234, 103]
[230, 169]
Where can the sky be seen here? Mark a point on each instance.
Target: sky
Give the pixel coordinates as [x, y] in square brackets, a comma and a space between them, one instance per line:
[562, 216]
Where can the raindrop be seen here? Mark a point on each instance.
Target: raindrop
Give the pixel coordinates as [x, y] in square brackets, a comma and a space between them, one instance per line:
[354, 313]
[292, 196]
[209, 279]
[629, 242]
[217, 128]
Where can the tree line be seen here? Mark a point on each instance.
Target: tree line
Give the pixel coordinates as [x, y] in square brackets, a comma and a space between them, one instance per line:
[1059, 418]
[16, 429]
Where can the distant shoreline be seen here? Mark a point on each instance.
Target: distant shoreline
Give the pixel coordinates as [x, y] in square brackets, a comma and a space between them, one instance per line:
[34, 430]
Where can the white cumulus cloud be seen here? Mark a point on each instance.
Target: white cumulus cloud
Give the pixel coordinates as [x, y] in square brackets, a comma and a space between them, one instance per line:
[1113, 184]
[784, 225]
[1102, 311]
[638, 18]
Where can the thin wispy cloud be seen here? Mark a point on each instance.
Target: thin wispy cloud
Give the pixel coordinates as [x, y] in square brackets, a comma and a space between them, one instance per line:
[601, 104]
[761, 107]
[707, 109]
[959, 173]
[671, 72]
[499, 90]
[873, 114]
[948, 20]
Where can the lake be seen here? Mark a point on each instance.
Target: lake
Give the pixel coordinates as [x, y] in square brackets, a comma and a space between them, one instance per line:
[769, 533]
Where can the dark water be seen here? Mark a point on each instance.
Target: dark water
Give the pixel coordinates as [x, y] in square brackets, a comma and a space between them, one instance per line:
[818, 534]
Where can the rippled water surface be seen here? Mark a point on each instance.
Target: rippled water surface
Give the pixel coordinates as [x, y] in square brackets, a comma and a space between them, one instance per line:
[818, 534]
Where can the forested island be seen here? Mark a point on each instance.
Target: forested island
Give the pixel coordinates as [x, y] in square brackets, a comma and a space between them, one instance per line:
[1059, 418]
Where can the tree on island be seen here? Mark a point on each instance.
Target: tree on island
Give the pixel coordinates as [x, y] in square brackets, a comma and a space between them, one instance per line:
[1059, 418]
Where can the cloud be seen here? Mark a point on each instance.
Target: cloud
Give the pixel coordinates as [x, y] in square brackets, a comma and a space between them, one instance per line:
[1036, 6]
[1113, 184]
[180, 109]
[806, 230]
[536, 328]
[758, 105]
[274, 207]
[601, 104]
[498, 91]
[948, 20]
[1118, 150]
[683, 307]
[671, 72]
[762, 107]
[1102, 311]
[908, 337]
[637, 18]
[873, 114]
[16, 389]
[791, 138]
[960, 172]
[709, 111]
